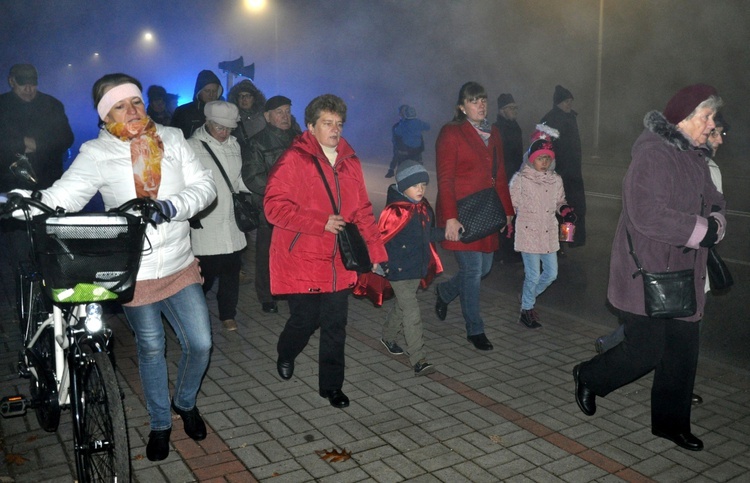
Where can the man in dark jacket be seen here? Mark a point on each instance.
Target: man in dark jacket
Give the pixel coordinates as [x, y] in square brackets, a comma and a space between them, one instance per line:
[568, 156]
[34, 138]
[259, 154]
[672, 214]
[510, 132]
[32, 125]
[190, 116]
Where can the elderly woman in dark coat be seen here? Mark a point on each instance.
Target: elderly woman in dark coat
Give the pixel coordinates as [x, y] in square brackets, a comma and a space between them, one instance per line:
[673, 214]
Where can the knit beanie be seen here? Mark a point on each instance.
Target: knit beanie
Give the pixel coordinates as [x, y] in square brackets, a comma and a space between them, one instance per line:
[410, 173]
[541, 142]
[504, 99]
[561, 94]
[682, 104]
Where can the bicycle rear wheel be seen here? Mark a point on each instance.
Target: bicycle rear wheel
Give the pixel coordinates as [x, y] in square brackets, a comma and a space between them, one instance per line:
[101, 437]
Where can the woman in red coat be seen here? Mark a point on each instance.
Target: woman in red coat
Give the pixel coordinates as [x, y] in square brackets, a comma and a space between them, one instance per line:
[304, 259]
[467, 148]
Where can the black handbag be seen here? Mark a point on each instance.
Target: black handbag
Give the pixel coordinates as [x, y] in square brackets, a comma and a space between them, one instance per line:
[667, 295]
[352, 246]
[719, 277]
[246, 214]
[481, 213]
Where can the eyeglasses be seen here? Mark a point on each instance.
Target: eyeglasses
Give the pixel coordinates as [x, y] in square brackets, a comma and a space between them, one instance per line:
[245, 95]
[714, 133]
[219, 127]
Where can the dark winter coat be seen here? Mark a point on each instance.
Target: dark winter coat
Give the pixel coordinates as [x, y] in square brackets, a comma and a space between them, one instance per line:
[44, 120]
[190, 116]
[260, 153]
[510, 133]
[304, 257]
[667, 195]
[464, 167]
[409, 250]
[568, 160]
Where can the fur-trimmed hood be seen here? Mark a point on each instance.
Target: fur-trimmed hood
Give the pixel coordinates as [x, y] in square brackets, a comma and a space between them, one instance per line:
[655, 122]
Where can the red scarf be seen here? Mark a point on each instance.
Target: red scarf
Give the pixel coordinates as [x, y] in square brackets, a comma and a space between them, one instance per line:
[146, 153]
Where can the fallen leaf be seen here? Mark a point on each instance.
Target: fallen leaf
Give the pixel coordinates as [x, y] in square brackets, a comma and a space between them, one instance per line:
[15, 459]
[496, 439]
[31, 438]
[334, 456]
[138, 457]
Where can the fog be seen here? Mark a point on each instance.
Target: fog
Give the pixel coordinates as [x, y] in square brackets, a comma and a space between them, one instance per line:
[379, 54]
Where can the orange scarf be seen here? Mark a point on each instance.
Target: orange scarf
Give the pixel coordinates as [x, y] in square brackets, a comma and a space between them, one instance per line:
[146, 153]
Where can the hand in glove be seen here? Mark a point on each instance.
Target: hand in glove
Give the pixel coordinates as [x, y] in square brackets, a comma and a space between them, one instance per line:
[167, 208]
[712, 234]
[566, 212]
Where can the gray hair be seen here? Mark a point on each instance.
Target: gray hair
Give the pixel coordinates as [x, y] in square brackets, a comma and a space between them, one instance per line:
[713, 103]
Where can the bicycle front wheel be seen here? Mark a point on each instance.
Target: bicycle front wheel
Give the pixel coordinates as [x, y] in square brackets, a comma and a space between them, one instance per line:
[101, 437]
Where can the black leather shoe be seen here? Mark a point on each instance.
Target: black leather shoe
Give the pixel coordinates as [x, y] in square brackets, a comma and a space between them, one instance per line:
[193, 422]
[270, 307]
[285, 368]
[336, 397]
[696, 399]
[480, 341]
[585, 399]
[157, 448]
[441, 308]
[683, 440]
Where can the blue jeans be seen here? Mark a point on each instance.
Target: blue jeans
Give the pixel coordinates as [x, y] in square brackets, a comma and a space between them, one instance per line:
[472, 266]
[187, 313]
[535, 282]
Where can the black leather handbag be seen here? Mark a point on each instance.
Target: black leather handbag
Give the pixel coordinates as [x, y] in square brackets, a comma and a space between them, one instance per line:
[352, 247]
[481, 213]
[719, 277]
[246, 214]
[667, 295]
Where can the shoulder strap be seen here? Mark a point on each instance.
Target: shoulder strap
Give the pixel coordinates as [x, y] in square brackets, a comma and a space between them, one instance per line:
[632, 254]
[325, 182]
[218, 164]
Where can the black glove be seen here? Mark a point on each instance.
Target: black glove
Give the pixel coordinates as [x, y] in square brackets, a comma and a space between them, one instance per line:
[712, 234]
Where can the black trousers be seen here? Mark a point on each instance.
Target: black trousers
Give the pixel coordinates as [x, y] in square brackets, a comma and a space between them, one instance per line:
[668, 347]
[225, 267]
[262, 272]
[327, 311]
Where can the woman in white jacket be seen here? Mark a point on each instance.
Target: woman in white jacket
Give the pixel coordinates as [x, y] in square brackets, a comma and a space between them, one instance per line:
[216, 239]
[134, 157]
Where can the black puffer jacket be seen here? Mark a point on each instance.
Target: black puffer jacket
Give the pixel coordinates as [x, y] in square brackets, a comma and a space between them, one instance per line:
[510, 132]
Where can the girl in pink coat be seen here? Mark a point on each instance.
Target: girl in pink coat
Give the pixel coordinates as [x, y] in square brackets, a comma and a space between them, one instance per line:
[538, 195]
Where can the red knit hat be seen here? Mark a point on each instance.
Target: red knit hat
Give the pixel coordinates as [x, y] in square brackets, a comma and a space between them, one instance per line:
[686, 100]
[541, 142]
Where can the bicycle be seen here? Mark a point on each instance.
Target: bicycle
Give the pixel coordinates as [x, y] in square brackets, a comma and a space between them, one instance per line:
[80, 260]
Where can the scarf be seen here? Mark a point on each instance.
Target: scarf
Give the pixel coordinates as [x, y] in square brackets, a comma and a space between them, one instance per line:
[146, 153]
[484, 129]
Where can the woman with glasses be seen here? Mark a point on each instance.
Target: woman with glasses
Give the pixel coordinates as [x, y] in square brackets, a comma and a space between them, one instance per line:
[217, 241]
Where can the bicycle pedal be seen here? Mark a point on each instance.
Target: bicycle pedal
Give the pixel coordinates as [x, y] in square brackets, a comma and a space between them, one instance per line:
[12, 406]
[23, 370]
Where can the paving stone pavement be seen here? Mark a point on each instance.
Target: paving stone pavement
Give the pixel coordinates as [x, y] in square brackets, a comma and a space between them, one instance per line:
[504, 415]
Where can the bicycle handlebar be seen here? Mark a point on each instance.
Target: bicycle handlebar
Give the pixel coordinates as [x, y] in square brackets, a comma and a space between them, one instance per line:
[146, 206]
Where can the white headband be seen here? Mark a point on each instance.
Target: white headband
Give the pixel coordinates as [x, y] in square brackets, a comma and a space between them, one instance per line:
[115, 95]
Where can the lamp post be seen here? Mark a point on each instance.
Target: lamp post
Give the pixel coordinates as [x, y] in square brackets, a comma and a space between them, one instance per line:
[598, 95]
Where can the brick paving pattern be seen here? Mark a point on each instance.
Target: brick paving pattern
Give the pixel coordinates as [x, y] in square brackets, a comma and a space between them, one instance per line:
[504, 415]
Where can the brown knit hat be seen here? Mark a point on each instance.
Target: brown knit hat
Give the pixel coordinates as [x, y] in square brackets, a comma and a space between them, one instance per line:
[686, 100]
